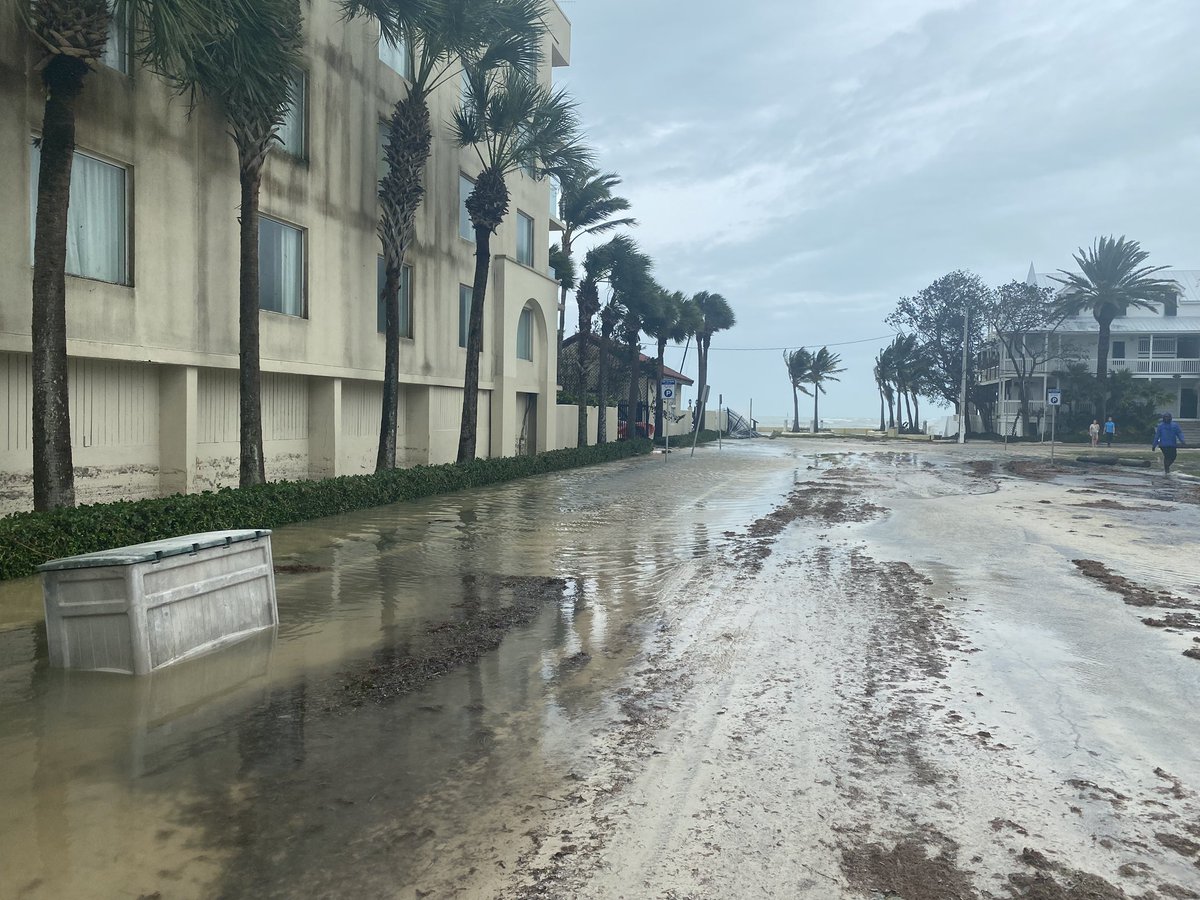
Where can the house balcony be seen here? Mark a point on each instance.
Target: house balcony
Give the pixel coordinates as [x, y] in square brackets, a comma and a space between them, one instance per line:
[1156, 366]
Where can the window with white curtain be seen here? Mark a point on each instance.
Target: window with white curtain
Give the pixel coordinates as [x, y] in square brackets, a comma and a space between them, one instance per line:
[280, 267]
[406, 280]
[525, 334]
[292, 128]
[397, 57]
[97, 230]
[465, 293]
[116, 51]
[465, 228]
[524, 239]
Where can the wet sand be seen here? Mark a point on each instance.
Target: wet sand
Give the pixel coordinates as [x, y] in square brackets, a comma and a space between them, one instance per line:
[762, 672]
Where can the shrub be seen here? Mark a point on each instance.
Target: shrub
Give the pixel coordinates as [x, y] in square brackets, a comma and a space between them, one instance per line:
[28, 539]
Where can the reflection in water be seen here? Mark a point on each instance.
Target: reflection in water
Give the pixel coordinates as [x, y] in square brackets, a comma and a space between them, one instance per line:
[243, 774]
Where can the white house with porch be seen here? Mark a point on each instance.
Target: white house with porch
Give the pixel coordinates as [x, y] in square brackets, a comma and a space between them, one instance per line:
[1162, 345]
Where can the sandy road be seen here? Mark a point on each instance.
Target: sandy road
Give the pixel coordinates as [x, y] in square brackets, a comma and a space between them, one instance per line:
[926, 700]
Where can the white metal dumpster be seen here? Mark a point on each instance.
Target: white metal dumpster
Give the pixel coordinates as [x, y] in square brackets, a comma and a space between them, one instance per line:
[137, 609]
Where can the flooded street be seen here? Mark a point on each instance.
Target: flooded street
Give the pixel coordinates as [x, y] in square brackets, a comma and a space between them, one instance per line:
[780, 669]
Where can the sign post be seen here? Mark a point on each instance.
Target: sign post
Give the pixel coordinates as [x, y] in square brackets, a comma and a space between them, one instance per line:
[720, 403]
[668, 402]
[1054, 401]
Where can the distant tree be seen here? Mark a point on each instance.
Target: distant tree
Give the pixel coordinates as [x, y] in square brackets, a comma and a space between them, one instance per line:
[715, 315]
[1111, 279]
[798, 364]
[935, 315]
[823, 367]
[1022, 316]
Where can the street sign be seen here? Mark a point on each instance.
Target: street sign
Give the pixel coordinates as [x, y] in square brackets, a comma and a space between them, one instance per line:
[668, 393]
[1054, 398]
[668, 382]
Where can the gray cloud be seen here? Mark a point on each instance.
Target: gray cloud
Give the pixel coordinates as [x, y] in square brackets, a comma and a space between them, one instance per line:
[816, 161]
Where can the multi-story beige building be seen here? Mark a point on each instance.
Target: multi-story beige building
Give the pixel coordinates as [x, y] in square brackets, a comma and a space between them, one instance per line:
[153, 284]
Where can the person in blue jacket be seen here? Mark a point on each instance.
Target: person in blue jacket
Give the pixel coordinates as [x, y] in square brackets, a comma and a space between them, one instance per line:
[1168, 436]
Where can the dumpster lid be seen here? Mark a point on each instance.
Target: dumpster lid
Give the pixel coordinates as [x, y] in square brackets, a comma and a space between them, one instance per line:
[154, 550]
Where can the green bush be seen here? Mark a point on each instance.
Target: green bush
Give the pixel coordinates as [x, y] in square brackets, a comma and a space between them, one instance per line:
[28, 539]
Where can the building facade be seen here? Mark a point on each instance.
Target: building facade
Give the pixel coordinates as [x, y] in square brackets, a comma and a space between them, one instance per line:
[152, 317]
[1161, 345]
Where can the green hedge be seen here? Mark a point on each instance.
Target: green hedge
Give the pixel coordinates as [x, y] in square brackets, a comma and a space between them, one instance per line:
[28, 539]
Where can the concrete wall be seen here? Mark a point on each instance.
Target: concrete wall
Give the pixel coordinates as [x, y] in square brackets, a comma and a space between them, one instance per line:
[175, 324]
[568, 425]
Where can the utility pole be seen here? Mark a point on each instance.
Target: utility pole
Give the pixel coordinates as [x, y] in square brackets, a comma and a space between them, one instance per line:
[962, 396]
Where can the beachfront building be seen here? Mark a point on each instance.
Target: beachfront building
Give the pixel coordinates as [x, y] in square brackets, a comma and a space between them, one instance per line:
[152, 285]
[1162, 345]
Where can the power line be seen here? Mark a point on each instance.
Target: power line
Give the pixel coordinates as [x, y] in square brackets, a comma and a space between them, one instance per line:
[809, 344]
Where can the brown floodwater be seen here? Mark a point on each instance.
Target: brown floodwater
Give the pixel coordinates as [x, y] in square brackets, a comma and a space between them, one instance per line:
[241, 773]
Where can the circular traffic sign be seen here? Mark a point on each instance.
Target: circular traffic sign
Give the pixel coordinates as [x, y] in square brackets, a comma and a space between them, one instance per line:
[668, 393]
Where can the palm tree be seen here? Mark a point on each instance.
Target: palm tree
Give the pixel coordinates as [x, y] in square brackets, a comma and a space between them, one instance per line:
[511, 122]
[674, 319]
[798, 363]
[640, 296]
[1111, 278]
[624, 267]
[72, 37]
[440, 34]
[822, 368]
[586, 205]
[907, 366]
[715, 315]
[883, 381]
[246, 68]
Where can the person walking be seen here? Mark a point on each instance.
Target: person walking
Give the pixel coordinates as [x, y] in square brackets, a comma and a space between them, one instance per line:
[1110, 431]
[1168, 437]
[1094, 432]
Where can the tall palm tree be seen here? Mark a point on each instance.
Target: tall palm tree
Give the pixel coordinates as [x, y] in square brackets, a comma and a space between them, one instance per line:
[674, 319]
[823, 367]
[246, 69]
[640, 296]
[798, 363]
[586, 206]
[883, 381]
[715, 315]
[511, 122]
[1111, 278]
[440, 34]
[71, 36]
[908, 366]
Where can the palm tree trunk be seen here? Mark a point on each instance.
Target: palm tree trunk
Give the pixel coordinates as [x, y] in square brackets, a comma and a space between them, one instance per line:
[891, 407]
[401, 193]
[702, 361]
[252, 469]
[581, 345]
[1102, 363]
[795, 410]
[562, 313]
[882, 425]
[468, 431]
[816, 400]
[635, 367]
[907, 407]
[53, 467]
[385, 457]
[602, 388]
[916, 411]
[659, 417]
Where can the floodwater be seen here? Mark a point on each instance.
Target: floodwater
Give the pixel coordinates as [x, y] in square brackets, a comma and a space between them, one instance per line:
[775, 670]
[219, 777]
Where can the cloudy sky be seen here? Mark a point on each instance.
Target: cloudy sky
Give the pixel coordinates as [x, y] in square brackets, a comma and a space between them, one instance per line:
[813, 160]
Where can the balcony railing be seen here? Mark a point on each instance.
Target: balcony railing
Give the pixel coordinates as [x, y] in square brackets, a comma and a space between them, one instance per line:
[1156, 366]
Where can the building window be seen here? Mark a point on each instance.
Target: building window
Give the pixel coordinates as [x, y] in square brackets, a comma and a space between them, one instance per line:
[116, 50]
[524, 239]
[292, 129]
[464, 313]
[406, 278]
[525, 335]
[97, 229]
[465, 228]
[280, 267]
[397, 57]
[1144, 347]
[1118, 350]
[1188, 348]
[555, 190]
